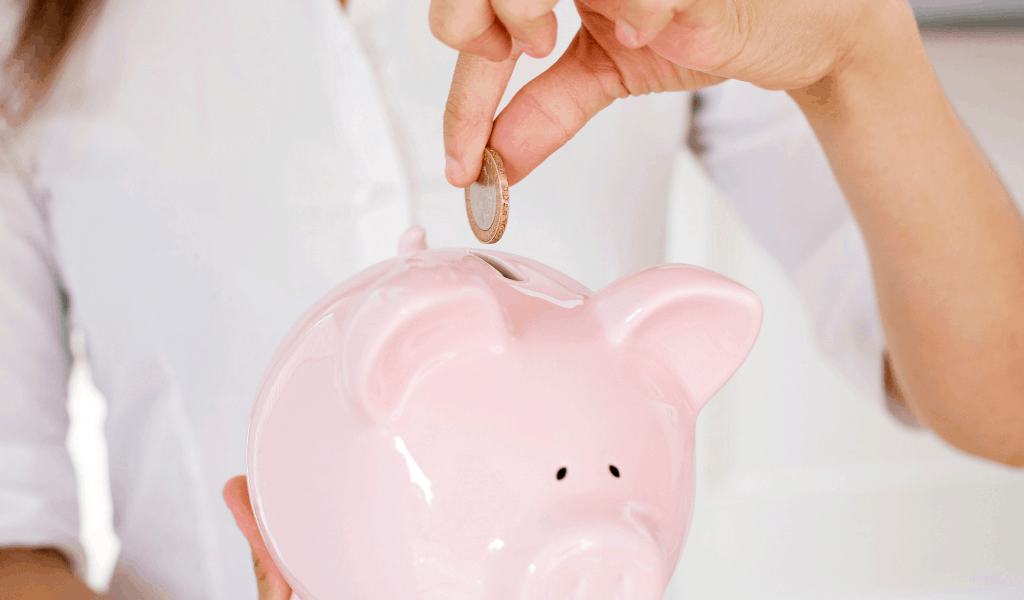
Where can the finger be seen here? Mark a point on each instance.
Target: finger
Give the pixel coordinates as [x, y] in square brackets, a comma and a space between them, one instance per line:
[696, 34]
[477, 88]
[531, 23]
[470, 26]
[640, 21]
[269, 581]
[551, 109]
[702, 38]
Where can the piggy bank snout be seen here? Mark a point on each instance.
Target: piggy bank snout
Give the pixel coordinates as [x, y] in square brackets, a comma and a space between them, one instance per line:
[601, 580]
[600, 563]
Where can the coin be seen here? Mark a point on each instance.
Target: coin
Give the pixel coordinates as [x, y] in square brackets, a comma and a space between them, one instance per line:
[487, 200]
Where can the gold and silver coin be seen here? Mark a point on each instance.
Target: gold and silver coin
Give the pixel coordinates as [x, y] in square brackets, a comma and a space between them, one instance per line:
[487, 200]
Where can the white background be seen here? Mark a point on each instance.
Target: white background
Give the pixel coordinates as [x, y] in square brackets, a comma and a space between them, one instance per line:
[805, 488]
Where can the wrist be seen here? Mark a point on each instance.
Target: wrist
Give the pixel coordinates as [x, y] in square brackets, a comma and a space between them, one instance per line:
[878, 114]
[881, 53]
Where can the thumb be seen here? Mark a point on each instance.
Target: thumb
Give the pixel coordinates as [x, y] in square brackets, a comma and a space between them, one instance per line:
[271, 584]
[549, 110]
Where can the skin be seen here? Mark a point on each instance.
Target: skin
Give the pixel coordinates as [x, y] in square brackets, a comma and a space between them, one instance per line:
[945, 239]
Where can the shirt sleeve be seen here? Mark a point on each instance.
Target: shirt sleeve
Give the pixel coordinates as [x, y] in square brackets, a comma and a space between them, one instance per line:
[762, 153]
[38, 497]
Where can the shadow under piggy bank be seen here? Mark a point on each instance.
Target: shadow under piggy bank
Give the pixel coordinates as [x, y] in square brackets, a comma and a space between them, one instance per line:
[453, 424]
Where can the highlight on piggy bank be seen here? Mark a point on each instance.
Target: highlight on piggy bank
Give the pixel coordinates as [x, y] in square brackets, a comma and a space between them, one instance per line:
[454, 424]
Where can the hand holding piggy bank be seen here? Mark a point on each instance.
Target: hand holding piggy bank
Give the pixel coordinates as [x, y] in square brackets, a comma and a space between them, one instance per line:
[451, 424]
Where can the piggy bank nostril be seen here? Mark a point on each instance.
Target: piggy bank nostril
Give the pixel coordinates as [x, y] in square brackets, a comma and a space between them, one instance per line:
[614, 470]
[561, 473]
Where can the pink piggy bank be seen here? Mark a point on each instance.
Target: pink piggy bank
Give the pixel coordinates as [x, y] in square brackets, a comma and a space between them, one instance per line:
[459, 425]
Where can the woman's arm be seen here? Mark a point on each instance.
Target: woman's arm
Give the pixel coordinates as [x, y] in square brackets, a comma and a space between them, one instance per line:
[40, 574]
[945, 239]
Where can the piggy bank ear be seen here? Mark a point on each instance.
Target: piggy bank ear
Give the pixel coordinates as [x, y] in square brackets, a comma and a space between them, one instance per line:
[701, 324]
[399, 333]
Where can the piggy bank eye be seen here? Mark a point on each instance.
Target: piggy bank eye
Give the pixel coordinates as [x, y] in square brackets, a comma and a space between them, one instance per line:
[614, 470]
[561, 473]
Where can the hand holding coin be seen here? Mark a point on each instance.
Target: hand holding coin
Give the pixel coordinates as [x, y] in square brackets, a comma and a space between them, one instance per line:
[487, 200]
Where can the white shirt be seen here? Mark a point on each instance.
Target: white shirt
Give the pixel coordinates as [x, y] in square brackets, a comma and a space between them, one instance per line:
[206, 169]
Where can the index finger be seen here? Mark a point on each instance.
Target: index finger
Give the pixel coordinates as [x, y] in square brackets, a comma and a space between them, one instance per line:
[470, 26]
[477, 87]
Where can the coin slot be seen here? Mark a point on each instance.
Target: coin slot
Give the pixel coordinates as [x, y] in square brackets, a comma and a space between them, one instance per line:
[614, 470]
[506, 271]
[561, 473]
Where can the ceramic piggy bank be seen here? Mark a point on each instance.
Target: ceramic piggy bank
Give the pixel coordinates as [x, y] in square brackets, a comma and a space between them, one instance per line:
[460, 425]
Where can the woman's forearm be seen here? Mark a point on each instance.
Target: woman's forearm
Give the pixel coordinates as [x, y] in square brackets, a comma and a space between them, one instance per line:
[945, 239]
[40, 574]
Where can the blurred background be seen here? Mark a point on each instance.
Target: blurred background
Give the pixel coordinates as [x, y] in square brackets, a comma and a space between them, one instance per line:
[806, 489]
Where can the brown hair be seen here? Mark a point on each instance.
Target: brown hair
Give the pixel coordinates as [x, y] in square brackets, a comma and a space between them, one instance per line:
[47, 31]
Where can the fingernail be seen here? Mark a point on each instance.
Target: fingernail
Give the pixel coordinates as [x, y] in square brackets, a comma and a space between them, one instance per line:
[626, 33]
[452, 169]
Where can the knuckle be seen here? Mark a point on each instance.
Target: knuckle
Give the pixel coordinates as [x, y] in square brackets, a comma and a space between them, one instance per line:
[458, 30]
[656, 6]
[261, 573]
[449, 32]
[454, 110]
[649, 8]
[458, 122]
[526, 12]
[439, 27]
[565, 123]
